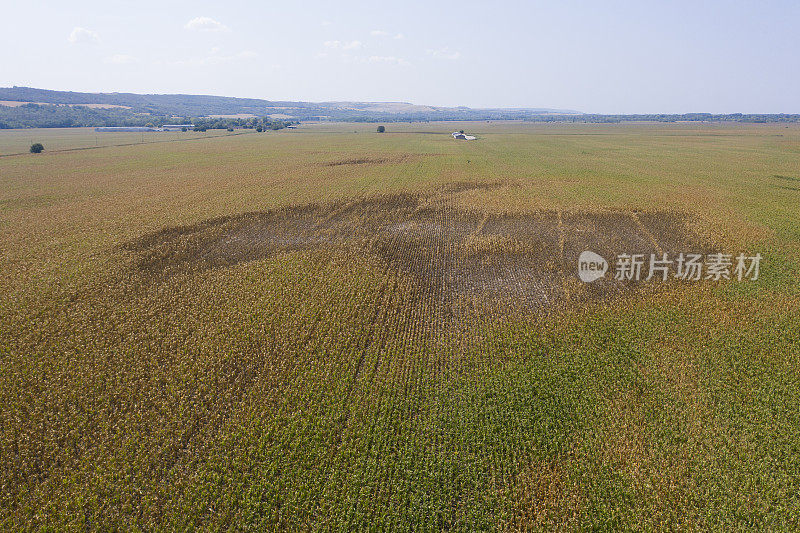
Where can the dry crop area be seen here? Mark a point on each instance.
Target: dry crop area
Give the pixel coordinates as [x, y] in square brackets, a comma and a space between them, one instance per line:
[329, 328]
[525, 261]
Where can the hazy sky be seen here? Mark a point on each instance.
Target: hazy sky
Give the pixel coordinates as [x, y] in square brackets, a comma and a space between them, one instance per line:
[604, 56]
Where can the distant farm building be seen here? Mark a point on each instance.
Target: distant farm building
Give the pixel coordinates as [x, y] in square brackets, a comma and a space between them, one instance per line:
[176, 127]
[138, 129]
[462, 135]
[117, 129]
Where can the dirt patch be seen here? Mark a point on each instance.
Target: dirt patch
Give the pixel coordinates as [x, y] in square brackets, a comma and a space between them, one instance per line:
[369, 160]
[464, 186]
[530, 260]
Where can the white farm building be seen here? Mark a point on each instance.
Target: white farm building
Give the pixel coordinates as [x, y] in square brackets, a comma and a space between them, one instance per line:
[176, 127]
[462, 135]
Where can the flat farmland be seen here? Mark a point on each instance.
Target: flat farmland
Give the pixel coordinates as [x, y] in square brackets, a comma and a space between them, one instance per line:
[329, 328]
[19, 141]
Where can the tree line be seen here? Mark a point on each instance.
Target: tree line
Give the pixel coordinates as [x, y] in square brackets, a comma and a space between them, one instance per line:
[65, 116]
[71, 116]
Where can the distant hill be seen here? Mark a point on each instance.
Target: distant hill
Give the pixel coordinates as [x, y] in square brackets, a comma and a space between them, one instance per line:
[26, 107]
[115, 106]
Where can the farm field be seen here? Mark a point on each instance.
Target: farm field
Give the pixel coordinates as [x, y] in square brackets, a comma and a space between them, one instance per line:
[18, 141]
[333, 329]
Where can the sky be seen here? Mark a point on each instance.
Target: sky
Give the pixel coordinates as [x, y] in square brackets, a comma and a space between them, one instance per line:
[597, 57]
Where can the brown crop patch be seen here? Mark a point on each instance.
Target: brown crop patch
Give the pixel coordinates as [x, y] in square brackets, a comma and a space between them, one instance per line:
[369, 160]
[528, 260]
[464, 186]
[546, 499]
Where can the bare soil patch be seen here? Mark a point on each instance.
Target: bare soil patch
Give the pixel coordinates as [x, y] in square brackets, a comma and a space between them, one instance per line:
[369, 160]
[530, 260]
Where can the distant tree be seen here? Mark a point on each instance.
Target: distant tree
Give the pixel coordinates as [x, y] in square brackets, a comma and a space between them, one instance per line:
[184, 128]
[381, 129]
[37, 148]
[259, 129]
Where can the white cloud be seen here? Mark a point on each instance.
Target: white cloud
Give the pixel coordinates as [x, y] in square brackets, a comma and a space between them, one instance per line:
[382, 33]
[389, 59]
[343, 45]
[122, 59]
[444, 53]
[82, 35]
[205, 24]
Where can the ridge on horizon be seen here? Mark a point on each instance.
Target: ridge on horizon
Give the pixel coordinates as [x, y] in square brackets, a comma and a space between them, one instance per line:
[50, 96]
[28, 107]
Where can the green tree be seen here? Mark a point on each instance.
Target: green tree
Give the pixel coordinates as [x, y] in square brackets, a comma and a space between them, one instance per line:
[381, 129]
[37, 148]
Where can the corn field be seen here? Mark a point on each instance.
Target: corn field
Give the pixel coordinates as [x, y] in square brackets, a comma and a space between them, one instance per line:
[326, 331]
